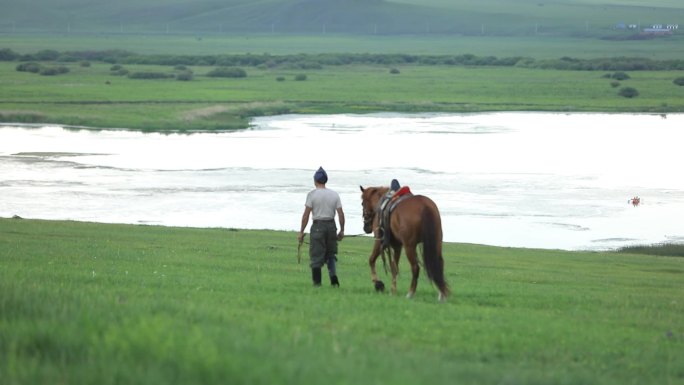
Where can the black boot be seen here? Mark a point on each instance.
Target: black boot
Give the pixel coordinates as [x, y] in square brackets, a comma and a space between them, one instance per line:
[334, 281]
[316, 276]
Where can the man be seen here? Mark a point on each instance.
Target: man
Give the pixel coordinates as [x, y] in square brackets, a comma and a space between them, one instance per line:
[322, 203]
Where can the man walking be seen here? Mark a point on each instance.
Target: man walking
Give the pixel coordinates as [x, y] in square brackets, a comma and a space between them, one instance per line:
[322, 203]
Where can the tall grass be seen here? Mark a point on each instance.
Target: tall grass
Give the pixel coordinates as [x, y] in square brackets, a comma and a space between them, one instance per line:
[668, 249]
[94, 303]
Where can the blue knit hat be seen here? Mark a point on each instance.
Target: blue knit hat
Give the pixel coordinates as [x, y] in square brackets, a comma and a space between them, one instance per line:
[321, 176]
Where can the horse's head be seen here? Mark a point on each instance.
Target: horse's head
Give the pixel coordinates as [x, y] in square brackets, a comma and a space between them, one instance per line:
[370, 198]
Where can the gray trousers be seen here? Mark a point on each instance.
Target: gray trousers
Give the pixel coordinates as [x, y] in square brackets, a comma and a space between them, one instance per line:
[323, 245]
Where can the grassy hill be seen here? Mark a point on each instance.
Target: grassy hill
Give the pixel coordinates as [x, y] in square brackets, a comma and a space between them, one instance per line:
[365, 17]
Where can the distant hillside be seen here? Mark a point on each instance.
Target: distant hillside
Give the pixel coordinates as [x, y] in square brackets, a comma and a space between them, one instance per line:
[461, 17]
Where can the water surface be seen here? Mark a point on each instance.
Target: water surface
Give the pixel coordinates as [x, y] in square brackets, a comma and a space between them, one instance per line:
[542, 180]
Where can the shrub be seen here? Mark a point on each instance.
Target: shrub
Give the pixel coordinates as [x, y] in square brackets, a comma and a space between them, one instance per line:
[620, 76]
[394, 71]
[300, 77]
[29, 67]
[227, 72]
[615, 84]
[85, 64]
[628, 92]
[280, 78]
[52, 71]
[7, 54]
[149, 75]
[679, 81]
[180, 68]
[184, 76]
[115, 67]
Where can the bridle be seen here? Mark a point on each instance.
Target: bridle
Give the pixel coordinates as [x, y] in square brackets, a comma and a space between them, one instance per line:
[368, 216]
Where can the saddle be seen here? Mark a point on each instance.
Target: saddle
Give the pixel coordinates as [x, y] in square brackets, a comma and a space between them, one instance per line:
[387, 205]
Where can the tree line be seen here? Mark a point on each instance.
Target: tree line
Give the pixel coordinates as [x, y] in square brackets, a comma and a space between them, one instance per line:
[317, 61]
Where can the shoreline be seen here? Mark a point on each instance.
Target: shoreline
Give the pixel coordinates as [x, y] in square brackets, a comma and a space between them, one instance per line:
[655, 249]
[190, 131]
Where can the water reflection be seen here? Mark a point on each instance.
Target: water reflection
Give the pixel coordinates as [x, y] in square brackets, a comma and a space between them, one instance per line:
[509, 179]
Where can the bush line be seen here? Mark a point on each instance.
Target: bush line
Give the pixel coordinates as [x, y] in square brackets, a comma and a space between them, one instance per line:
[317, 61]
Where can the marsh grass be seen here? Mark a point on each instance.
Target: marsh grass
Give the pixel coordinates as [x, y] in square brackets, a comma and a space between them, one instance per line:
[22, 116]
[203, 113]
[667, 249]
[98, 303]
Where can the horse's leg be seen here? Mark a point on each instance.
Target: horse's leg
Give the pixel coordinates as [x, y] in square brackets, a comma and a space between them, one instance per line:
[394, 266]
[379, 286]
[412, 256]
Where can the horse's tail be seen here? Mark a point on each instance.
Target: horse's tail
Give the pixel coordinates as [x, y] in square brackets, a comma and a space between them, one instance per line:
[432, 251]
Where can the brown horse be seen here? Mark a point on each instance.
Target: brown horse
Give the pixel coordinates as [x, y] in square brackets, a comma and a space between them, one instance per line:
[414, 220]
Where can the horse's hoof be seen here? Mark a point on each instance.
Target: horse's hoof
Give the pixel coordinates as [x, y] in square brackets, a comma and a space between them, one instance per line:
[410, 295]
[441, 298]
[379, 286]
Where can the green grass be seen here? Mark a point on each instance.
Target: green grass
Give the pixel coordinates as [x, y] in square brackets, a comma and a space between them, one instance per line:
[82, 97]
[539, 47]
[541, 30]
[96, 303]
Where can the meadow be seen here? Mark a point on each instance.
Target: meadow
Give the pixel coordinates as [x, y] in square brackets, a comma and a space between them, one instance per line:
[92, 96]
[541, 47]
[107, 304]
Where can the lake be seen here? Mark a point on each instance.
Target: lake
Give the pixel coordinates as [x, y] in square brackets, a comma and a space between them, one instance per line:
[541, 180]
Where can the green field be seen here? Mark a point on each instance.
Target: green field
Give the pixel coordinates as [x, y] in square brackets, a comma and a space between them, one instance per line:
[542, 29]
[84, 303]
[486, 28]
[542, 47]
[92, 96]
